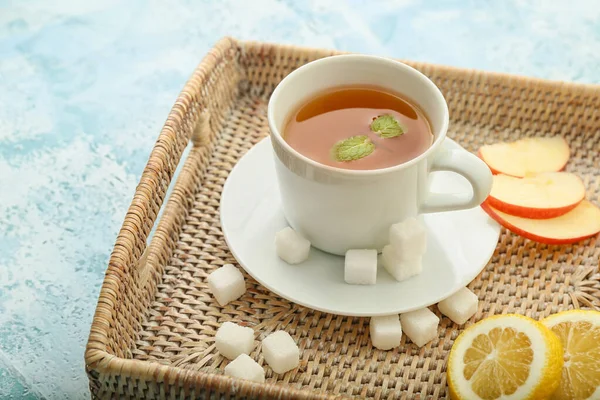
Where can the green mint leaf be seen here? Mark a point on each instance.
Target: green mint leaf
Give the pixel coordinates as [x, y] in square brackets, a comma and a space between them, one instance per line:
[387, 126]
[353, 148]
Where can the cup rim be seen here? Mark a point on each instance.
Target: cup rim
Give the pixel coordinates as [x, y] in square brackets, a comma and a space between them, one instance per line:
[349, 58]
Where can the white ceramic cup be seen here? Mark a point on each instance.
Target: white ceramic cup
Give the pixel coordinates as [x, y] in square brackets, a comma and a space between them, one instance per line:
[339, 209]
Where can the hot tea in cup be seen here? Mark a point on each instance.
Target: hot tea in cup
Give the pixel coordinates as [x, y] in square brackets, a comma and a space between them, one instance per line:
[358, 127]
[354, 139]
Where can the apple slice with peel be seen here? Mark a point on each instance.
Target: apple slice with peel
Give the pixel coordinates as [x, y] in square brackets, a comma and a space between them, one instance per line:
[526, 156]
[545, 195]
[580, 223]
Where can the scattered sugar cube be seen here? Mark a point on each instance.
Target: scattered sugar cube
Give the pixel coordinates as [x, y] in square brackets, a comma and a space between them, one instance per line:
[400, 268]
[409, 238]
[291, 246]
[386, 332]
[232, 340]
[226, 284]
[244, 367]
[420, 326]
[280, 352]
[360, 267]
[459, 307]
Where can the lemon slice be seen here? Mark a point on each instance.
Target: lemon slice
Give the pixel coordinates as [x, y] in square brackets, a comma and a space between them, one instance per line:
[505, 357]
[579, 333]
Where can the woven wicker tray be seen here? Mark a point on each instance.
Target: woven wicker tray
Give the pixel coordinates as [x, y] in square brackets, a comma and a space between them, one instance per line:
[153, 331]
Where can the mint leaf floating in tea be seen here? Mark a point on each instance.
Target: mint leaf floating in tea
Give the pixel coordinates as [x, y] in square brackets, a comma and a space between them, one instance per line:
[387, 126]
[353, 148]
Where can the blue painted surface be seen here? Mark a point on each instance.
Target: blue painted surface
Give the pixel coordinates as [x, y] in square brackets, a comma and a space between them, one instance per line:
[85, 87]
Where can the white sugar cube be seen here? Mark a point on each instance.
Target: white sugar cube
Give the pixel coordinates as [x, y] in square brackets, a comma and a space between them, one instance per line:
[280, 352]
[459, 307]
[291, 246]
[244, 367]
[386, 332]
[360, 267]
[420, 326]
[409, 238]
[399, 267]
[226, 284]
[232, 340]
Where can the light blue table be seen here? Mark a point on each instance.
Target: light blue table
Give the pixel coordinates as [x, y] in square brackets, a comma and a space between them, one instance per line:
[86, 86]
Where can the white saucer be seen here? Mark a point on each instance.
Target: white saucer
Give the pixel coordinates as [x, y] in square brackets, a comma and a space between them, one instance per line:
[459, 246]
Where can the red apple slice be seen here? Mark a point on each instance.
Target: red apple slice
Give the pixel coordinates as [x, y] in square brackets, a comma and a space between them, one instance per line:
[580, 223]
[545, 195]
[526, 156]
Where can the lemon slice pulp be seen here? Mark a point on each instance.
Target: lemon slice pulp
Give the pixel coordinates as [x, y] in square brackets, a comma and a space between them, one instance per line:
[507, 357]
[579, 333]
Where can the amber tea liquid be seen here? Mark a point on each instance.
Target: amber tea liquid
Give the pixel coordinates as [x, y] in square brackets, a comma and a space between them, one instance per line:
[337, 114]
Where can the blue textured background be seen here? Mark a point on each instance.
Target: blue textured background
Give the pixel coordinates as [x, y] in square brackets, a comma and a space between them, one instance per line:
[85, 87]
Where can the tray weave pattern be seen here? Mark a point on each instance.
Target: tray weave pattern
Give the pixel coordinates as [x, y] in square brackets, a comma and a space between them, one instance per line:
[153, 331]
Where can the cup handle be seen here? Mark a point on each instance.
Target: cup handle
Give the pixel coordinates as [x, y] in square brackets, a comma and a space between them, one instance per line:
[468, 165]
